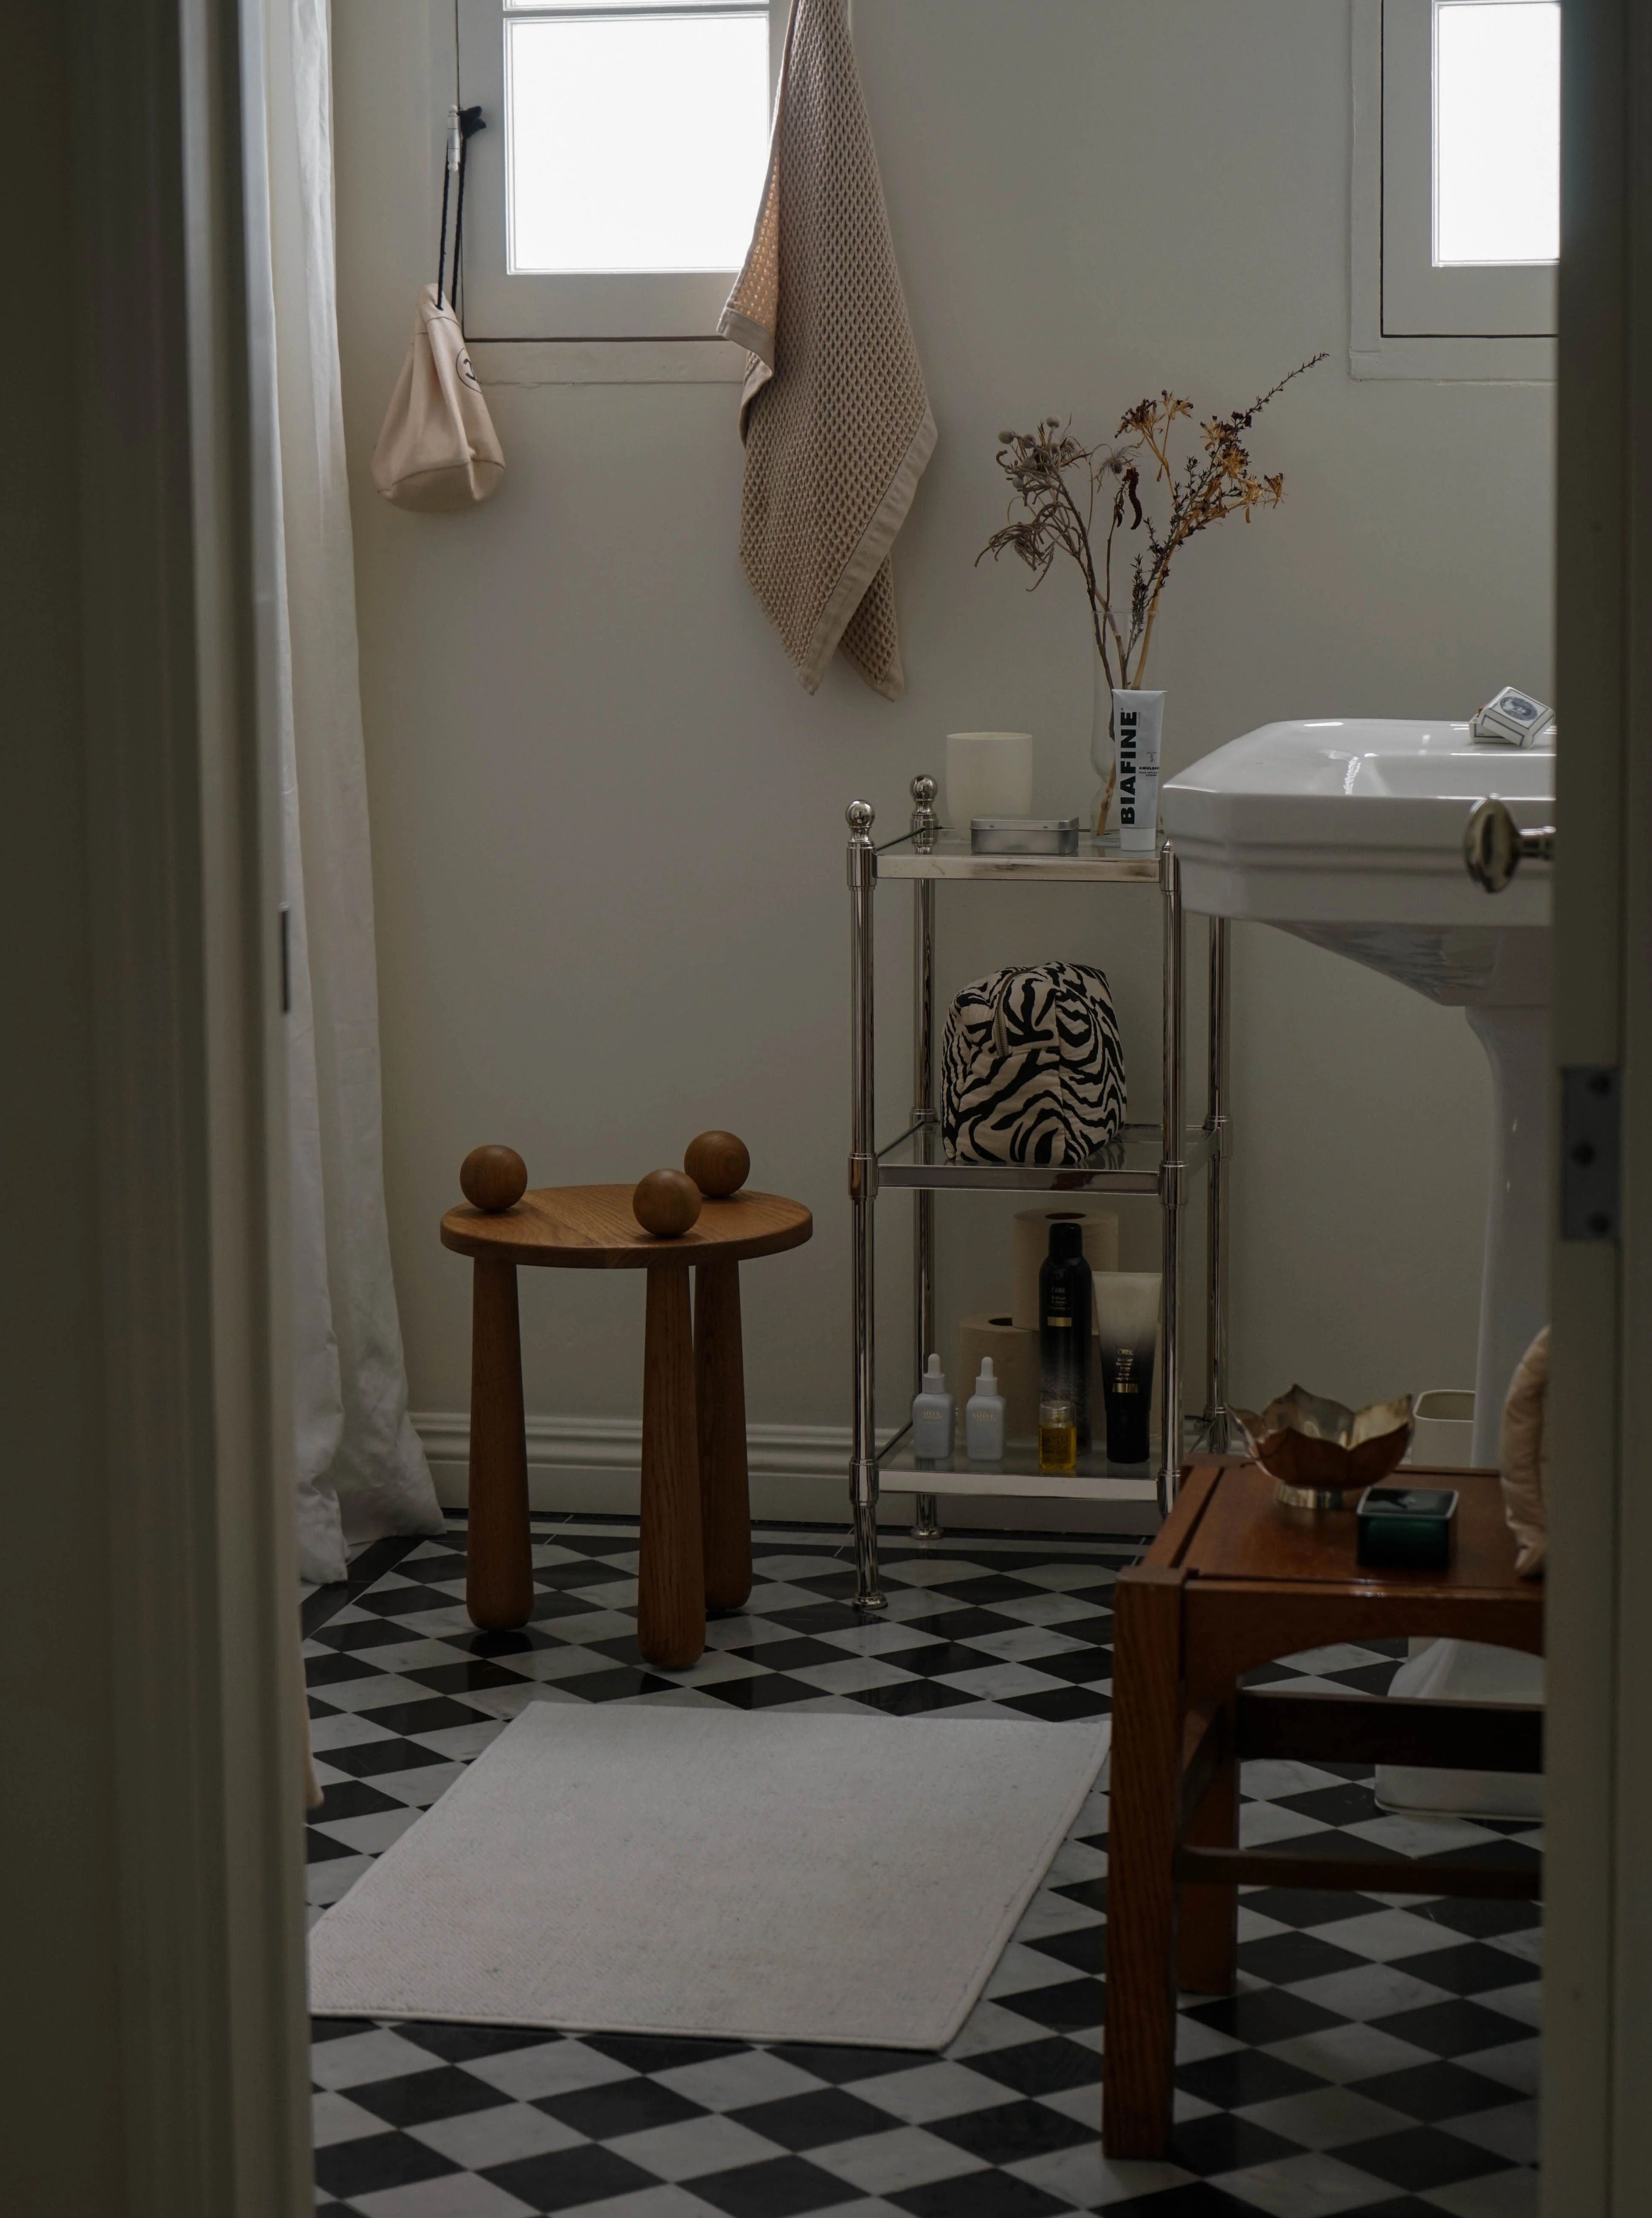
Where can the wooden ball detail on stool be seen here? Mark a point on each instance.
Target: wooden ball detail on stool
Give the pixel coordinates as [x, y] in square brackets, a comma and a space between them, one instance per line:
[718, 1163]
[666, 1203]
[493, 1179]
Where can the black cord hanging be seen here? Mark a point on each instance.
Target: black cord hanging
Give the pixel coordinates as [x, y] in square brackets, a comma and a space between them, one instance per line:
[470, 122]
[467, 122]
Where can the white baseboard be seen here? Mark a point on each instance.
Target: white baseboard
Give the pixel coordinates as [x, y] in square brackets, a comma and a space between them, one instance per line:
[798, 1472]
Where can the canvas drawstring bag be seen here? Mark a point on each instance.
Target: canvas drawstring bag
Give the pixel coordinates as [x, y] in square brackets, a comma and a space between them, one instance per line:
[439, 449]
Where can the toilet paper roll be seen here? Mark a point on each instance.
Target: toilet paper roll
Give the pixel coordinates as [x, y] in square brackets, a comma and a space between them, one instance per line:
[1029, 1245]
[1014, 1351]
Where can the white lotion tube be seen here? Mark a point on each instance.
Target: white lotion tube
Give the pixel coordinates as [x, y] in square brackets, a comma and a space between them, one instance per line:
[1138, 728]
[1127, 1325]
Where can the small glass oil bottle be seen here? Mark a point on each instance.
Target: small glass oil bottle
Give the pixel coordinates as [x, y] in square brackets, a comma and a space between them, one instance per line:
[1058, 1436]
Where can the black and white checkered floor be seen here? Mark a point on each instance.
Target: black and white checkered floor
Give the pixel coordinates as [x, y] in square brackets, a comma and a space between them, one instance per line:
[1379, 2057]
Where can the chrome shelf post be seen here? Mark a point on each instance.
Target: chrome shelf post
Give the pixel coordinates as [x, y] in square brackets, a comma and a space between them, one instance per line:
[863, 1192]
[926, 1512]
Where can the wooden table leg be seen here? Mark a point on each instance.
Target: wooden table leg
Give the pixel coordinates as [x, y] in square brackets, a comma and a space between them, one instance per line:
[719, 1399]
[1207, 1935]
[498, 1567]
[1139, 2048]
[671, 1574]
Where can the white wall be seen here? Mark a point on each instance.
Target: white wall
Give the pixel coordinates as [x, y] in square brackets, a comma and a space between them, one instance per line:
[608, 823]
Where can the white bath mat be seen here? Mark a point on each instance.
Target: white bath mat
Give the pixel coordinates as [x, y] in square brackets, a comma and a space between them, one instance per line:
[713, 1874]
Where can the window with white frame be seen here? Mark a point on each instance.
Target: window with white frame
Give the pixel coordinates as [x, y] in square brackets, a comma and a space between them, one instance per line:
[614, 192]
[1457, 183]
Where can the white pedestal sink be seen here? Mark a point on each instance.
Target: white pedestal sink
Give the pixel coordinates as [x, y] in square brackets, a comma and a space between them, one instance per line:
[1349, 834]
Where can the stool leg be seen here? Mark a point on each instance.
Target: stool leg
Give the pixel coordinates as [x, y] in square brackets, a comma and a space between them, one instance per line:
[499, 1568]
[1139, 2047]
[1207, 1938]
[671, 1574]
[719, 1399]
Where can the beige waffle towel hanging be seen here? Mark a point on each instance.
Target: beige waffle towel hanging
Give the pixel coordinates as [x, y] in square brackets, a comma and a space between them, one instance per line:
[835, 418]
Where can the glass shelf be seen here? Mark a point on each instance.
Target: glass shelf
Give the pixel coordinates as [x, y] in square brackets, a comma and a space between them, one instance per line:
[950, 857]
[899, 1472]
[1129, 1164]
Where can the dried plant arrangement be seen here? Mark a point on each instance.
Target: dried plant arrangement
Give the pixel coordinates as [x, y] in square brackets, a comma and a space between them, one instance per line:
[1057, 484]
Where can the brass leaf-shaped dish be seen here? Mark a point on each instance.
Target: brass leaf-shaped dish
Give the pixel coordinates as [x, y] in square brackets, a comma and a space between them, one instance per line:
[1317, 1448]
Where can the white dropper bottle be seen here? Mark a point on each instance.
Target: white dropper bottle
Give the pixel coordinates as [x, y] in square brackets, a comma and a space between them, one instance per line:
[983, 1417]
[932, 1417]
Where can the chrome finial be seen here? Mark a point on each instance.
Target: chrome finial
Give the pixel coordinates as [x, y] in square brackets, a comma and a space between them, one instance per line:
[925, 822]
[858, 817]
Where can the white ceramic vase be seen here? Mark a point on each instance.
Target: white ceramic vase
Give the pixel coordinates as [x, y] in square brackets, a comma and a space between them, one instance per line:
[988, 774]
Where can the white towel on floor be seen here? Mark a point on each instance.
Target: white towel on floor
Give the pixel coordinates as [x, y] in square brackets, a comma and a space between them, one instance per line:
[834, 414]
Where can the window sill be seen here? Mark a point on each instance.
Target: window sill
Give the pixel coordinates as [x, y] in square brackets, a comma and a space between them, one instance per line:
[608, 361]
[1479, 361]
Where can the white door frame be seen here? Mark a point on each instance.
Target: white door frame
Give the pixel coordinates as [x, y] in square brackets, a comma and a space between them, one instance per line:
[1597, 1988]
[160, 2067]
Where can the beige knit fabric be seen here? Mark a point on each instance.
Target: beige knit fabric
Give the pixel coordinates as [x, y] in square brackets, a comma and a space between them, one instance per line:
[1523, 1458]
[834, 414]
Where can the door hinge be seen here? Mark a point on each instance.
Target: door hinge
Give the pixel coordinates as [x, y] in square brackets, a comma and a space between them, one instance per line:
[1589, 1159]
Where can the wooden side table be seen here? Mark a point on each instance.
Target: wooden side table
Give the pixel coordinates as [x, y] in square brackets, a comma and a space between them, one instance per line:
[1227, 1584]
[695, 1545]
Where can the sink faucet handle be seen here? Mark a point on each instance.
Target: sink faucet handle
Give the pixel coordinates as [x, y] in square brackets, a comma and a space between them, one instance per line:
[1494, 846]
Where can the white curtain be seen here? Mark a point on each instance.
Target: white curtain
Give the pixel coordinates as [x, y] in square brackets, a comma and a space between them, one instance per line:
[361, 1472]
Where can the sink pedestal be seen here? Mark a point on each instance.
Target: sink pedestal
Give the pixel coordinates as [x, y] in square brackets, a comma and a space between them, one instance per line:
[1501, 982]
[1349, 834]
[1463, 1672]
[1514, 1282]
[1514, 1309]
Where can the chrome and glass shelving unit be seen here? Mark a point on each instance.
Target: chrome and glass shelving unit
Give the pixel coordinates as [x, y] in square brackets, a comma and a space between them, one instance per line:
[1159, 1160]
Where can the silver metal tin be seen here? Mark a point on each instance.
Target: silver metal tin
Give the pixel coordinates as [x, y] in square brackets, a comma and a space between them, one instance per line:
[1023, 835]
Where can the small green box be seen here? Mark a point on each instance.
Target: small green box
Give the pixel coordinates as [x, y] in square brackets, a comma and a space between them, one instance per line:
[1405, 1528]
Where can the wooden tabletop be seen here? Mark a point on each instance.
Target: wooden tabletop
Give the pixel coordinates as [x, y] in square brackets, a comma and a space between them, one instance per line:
[591, 1227]
[1257, 1581]
[1234, 1529]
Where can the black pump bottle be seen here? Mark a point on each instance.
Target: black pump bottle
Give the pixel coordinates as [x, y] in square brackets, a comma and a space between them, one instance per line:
[1065, 1299]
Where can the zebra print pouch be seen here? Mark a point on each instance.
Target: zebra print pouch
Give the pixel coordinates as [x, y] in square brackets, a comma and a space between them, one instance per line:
[1032, 1071]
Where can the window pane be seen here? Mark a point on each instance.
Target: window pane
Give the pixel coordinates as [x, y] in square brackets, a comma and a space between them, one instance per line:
[1496, 131]
[635, 143]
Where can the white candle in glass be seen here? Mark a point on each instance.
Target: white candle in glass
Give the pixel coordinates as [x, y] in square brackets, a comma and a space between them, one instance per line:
[988, 774]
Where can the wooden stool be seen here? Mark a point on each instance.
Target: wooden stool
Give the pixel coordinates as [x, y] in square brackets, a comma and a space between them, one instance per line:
[695, 1547]
[1227, 1584]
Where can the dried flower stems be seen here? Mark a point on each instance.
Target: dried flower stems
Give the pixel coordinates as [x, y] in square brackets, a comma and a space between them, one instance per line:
[1045, 466]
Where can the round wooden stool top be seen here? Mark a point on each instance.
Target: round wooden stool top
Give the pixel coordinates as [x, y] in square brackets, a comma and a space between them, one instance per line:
[591, 1227]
